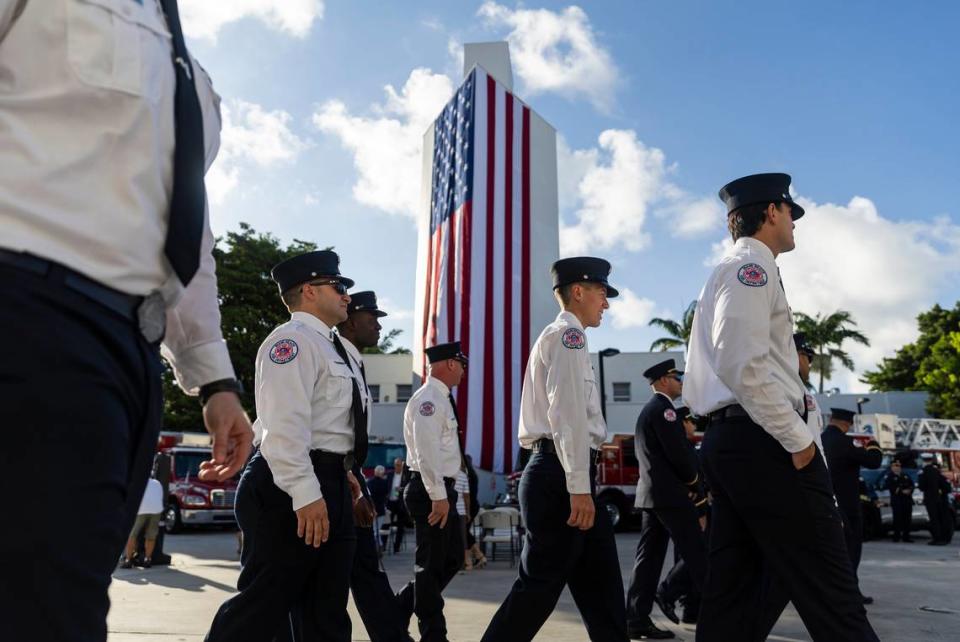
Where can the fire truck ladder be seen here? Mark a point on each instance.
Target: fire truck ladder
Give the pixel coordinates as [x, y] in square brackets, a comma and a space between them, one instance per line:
[926, 434]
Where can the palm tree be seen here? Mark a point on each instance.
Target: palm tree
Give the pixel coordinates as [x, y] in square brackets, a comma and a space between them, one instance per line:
[679, 332]
[826, 335]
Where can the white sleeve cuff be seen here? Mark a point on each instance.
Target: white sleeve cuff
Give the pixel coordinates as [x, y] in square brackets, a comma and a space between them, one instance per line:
[305, 492]
[798, 438]
[578, 483]
[200, 364]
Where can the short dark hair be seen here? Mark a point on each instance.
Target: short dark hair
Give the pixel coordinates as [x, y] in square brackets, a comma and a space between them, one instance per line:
[746, 220]
[292, 297]
[563, 293]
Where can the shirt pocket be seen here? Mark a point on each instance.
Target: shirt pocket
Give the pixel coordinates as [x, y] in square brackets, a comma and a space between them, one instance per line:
[340, 385]
[118, 45]
[450, 433]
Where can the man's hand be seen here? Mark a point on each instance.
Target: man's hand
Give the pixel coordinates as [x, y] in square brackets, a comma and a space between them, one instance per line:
[582, 511]
[703, 522]
[355, 490]
[804, 457]
[441, 508]
[363, 512]
[232, 436]
[313, 525]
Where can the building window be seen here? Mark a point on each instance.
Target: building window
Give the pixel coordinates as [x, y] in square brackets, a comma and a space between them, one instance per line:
[375, 392]
[621, 391]
[404, 390]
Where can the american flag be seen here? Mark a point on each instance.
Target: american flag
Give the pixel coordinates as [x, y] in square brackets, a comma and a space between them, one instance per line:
[478, 262]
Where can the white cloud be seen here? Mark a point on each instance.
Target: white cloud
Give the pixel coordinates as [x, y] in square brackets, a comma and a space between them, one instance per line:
[610, 189]
[557, 52]
[387, 145]
[883, 272]
[394, 310]
[205, 18]
[250, 136]
[630, 311]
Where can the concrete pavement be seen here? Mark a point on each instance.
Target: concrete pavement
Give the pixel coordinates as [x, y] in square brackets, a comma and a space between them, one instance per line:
[916, 588]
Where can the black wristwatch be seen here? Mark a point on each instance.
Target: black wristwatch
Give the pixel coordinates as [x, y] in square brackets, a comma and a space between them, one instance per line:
[207, 390]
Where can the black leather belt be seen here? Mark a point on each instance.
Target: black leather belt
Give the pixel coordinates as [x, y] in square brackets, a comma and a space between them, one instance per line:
[728, 412]
[326, 458]
[148, 313]
[449, 481]
[547, 446]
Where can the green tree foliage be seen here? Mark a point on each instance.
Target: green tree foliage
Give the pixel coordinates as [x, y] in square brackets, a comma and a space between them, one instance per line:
[940, 375]
[826, 335]
[386, 345]
[899, 372]
[250, 309]
[678, 332]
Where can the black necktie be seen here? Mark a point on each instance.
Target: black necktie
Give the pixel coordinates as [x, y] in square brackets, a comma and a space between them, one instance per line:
[360, 438]
[185, 224]
[453, 404]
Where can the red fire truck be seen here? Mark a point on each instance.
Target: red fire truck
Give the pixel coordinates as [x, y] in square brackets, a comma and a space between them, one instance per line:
[190, 500]
[617, 476]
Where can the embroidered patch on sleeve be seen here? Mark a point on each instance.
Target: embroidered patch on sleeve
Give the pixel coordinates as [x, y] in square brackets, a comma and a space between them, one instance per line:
[753, 275]
[427, 409]
[284, 351]
[669, 414]
[811, 404]
[574, 339]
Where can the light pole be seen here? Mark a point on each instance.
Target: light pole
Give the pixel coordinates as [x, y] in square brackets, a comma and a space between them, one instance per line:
[606, 352]
[860, 402]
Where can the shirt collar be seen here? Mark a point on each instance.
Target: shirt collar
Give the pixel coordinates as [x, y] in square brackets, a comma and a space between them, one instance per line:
[756, 246]
[570, 318]
[308, 319]
[439, 385]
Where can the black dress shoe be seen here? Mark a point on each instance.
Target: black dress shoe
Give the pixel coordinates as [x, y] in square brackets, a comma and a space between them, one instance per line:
[867, 599]
[933, 542]
[667, 607]
[908, 540]
[648, 631]
[689, 618]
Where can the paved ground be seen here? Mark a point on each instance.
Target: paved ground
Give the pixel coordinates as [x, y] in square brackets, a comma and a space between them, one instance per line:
[176, 603]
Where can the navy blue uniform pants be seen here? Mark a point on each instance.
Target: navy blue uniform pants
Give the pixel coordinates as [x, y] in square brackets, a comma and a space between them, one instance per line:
[438, 559]
[556, 555]
[768, 516]
[280, 572]
[80, 407]
[902, 506]
[659, 526]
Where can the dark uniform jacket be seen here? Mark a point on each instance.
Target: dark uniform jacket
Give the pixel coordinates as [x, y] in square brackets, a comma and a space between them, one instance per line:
[933, 484]
[672, 463]
[844, 460]
[896, 484]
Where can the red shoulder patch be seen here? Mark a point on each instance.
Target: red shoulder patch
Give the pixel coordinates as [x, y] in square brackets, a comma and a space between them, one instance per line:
[573, 338]
[670, 414]
[427, 409]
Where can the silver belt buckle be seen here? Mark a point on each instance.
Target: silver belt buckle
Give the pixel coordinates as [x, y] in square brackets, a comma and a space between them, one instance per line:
[152, 317]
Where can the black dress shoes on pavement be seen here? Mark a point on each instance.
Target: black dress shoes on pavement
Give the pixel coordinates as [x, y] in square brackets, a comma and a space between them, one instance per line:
[648, 631]
[867, 599]
[667, 607]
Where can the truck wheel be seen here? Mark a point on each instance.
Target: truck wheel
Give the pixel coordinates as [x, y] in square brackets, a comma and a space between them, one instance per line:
[613, 509]
[171, 518]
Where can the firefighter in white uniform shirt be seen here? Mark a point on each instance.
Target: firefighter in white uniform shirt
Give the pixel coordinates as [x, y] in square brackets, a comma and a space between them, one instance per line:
[568, 543]
[106, 127]
[773, 505]
[294, 502]
[431, 432]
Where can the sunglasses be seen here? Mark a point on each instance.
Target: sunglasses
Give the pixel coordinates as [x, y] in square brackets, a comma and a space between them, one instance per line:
[677, 378]
[338, 286]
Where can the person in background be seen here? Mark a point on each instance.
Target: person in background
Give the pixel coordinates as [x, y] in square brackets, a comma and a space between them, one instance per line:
[901, 488]
[477, 557]
[379, 487]
[148, 523]
[935, 489]
[462, 486]
[398, 510]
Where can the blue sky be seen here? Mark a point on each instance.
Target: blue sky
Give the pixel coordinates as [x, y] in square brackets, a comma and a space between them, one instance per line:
[325, 104]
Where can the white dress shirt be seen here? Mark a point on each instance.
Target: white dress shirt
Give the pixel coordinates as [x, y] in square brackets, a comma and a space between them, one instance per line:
[86, 147]
[560, 399]
[430, 431]
[815, 422]
[742, 349]
[304, 393]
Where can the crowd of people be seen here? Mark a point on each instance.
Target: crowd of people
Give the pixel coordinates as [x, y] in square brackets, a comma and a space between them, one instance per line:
[106, 261]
